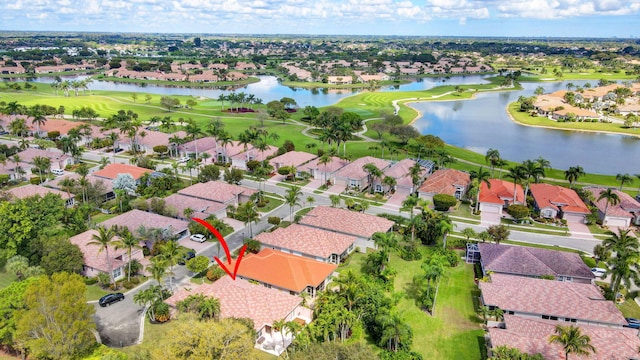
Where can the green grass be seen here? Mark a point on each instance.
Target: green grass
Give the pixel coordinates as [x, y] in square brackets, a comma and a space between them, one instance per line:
[630, 308]
[272, 204]
[95, 292]
[6, 278]
[540, 246]
[100, 217]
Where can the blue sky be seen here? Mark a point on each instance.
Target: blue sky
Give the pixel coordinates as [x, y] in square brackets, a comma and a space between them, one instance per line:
[548, 18]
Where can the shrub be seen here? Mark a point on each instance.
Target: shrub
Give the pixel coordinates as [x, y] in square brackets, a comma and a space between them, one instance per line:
[443, 202]
[34, 180]
[274, 220]
[253, 246]
[128, 284]
[90, 281]
[215, 273]
[284, 170]
[518, 211]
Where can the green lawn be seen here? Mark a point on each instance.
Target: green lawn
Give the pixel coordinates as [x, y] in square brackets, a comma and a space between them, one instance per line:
[6, 278]
[95, 292]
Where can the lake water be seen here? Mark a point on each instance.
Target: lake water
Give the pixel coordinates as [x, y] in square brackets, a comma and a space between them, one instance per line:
[477, 124]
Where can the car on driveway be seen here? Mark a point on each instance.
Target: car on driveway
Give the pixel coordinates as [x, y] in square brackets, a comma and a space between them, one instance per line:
[633, 323]
[110, 299]
[183, 159]
[186, 257]
[598, 272]
[198, 238]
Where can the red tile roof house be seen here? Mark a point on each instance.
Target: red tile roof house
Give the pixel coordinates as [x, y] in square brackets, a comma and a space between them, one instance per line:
[533, 262]
[400, 172]
[240, 160]
[58, 159]
[95, 260]
[348, 222]
[623, 214]
[445, 181]
[354, 177]
[61, 125]
[220, 192]
[106, 183]
[291, 158]
[111, 171]
[286, 272]
[201, 208]
[323, 172]
[134, 219]
[531, 336]
[26, 191]
[155, 138]
[499, 196]
[564, 302]
[310, 242]
[242, 299]
[556, 201]
[223, 153]
[201, 145]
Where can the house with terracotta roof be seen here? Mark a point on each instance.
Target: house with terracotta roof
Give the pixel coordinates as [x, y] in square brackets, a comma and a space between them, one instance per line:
[323, 172]
[348, 222]
[222, 153]
[557, 201]
[400, 172]
[201, 208]
[242, 299]
[106, 184]
[286, 272]
[562, 302]
[353, 175]
[445, 181]
[111, 171]
[310, 242]
[30, 190]
[220, 192]
[154, 138]
[135, 218]
[291, 158]
[59, 160]
[252, 153]
[533, 262]
[203, 144]
[95, 261]
[498, 196]
[623, 214]
[531, 336]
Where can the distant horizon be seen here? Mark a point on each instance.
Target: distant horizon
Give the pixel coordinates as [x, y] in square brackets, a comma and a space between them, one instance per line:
[597, 19]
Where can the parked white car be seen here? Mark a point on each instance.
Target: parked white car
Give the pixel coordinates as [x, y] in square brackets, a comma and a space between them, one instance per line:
[183, 159]
[57, 172]
[598, 272]
[198, 237]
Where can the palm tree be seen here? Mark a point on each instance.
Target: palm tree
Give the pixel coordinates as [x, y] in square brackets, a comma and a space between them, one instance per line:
[292, 198]
[129, 242]
[517, 174]
[611, 198]
[482, 177]
[38, 118]
[326, 159]
[624, 179]
[394, 332]
[492, 157]
[532, 170]
[572, 341]
[209, 308]
[279, 325]
[248, 213]
[373, 172]
[42, 164]
[158, 269]
[390, 183]
[104, 239]
[193, 131]
[573, 174]
[170, 252]
[624, 265]
[415, 172]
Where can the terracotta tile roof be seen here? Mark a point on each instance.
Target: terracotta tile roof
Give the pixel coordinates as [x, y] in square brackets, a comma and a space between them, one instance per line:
[217, 191]
[531, 336]
[553, 196]
[307, 240]
[27, 155]
[61, 125]
[55, 183]
[499, 191]
[135, 218]
[154, 138]
[623, 209]
[111, 171]
[285, 271]
[346, 221]
[444, 181]
[295, 158]
[335, 164]
[548, 297]
[522, 260]
[26, 191]
[92, 255]
[202, 208]
[241, 299]
[204, 144]
[354, 169]
[255, 153]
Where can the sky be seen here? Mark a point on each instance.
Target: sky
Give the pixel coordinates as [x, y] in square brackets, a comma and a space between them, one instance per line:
[502, 18]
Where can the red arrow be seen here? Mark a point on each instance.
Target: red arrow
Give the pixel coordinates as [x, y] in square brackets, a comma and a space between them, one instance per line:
[217, 234]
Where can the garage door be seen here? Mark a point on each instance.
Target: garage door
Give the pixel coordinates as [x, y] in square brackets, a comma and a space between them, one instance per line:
[612, 221]
[574, 218]
[491, 208]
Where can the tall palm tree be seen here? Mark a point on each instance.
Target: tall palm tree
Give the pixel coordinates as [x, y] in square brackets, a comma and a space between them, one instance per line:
[248, 213]
[482, 177]
[573, 174]
[193, 132]
[158, 269]
[533, 171]
[572, 341]
[104, 239]
[492, 157]
[292, 198]
[373, 172]
[611, 198]
[129, 242]
[415, 172]
[517, 174]
[38, 118]
[394, 332]
[170, 252]
[42, 164]
[279, 325]
[624, 265]
[386, 242]
[624, 179]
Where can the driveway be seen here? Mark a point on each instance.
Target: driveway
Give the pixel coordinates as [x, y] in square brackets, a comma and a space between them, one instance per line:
[336, 189]
[580, 231]
[398, 197]
[489, 218]
[313, 185]
[119, 323]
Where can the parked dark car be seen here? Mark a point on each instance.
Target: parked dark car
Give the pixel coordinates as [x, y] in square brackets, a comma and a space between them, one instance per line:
[188, 256]
[633, 323]
[110, 299]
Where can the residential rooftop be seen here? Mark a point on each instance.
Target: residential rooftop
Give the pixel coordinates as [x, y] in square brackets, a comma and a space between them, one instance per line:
[307, 240]
[346, 221]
